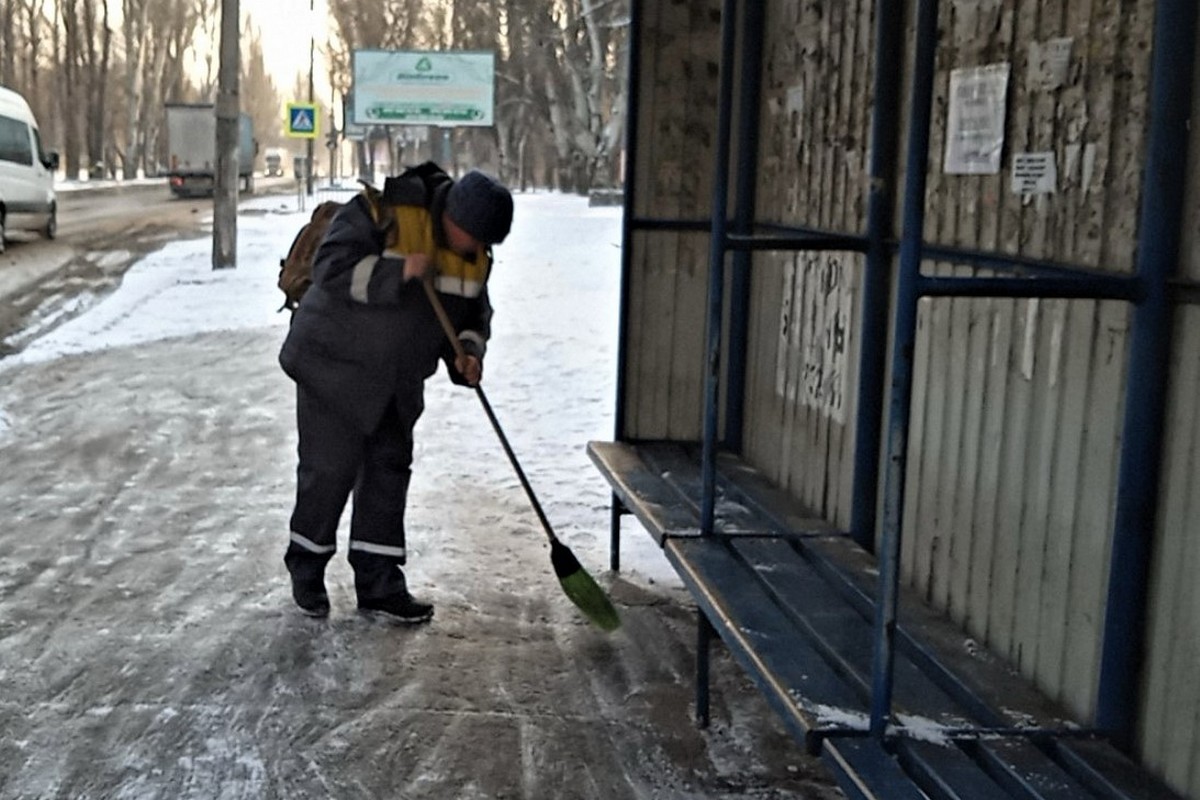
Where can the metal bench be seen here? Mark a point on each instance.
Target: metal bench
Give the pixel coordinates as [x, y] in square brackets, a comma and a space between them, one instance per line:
[793, 600]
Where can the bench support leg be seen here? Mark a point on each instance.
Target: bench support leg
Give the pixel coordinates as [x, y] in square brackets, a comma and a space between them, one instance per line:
[614, 543]
[704, 633]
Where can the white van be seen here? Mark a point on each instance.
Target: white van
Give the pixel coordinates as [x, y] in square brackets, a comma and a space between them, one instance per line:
[27, 200]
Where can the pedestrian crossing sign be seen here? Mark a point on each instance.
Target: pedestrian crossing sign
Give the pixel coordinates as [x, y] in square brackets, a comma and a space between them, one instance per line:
[301, 120]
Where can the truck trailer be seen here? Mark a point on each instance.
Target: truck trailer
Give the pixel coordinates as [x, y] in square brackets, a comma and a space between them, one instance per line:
[192, 148]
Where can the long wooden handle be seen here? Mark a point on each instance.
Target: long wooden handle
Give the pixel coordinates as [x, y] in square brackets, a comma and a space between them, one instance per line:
[452, 335]
[443, 317]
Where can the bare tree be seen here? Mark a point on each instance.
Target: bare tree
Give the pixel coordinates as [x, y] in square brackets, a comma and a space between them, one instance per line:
[96, 57]
[582, 65]
[135, 23]
[259, 95]
[68, 47]
[8, 42]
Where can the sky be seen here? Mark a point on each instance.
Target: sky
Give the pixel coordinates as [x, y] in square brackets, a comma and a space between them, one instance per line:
[286, 26]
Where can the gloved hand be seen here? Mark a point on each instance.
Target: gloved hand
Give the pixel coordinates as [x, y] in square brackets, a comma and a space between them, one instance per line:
[416, 265]
[470, 368]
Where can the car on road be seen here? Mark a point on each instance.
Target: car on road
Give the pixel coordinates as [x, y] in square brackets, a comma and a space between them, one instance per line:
[27, 198]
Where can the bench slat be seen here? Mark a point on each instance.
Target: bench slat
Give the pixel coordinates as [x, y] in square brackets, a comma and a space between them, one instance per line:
[1025, 768]
[867, 771]
[643, 491]
[844, 635]
[680, 466]
[796, 680]
[946, 773]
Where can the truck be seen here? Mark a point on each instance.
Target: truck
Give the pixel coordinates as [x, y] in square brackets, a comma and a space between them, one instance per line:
[192, 148]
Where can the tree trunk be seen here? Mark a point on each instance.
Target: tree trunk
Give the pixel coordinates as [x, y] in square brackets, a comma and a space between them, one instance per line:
[72, 145]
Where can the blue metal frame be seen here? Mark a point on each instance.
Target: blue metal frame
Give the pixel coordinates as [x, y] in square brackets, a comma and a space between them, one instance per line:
[905, 327]
[716, 266]
[746, 184]
[885, 127]
[632, 123]
[1139, 473]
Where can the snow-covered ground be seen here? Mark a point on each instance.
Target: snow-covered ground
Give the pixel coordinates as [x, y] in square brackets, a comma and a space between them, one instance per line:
[551, 365]
[148, 646]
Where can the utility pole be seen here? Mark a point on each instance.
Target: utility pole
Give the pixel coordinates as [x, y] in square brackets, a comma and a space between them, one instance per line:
[312, 35]
[225, 179]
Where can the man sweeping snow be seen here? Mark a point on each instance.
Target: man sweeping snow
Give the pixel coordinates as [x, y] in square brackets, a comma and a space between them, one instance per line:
[362, 342]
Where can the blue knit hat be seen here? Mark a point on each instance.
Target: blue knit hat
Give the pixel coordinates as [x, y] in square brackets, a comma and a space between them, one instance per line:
[481, 206]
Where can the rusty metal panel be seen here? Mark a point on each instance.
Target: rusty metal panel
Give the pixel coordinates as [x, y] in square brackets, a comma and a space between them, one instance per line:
[802, 350]
[803, 354]
[816, 114]
[669, 269]
[1078, 77]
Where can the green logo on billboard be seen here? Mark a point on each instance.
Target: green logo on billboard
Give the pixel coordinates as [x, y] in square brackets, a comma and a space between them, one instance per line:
[424, 65]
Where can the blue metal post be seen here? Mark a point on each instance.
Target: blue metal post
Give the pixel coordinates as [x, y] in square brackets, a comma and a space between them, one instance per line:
[632, 122]
[704, 635]
[1160, 219]
[889, 30]
[749, 97]
[632, 119]
[908, 292]
[716, 265]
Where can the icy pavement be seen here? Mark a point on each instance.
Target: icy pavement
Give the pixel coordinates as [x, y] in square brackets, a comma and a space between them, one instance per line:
[148, 647]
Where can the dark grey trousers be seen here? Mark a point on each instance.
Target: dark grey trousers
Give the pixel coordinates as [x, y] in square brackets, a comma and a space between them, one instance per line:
[336, 459]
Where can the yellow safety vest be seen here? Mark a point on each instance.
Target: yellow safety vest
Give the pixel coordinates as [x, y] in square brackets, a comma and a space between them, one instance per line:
[413, 233]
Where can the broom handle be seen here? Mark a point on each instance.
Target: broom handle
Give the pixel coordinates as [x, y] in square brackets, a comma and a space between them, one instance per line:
[452, 335]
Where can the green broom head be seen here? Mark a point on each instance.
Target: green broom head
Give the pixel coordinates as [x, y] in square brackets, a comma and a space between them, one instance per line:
[582, 589]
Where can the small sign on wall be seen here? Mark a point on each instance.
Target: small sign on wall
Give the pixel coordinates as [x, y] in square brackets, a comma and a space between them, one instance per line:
[1050, 63]
[975, 120]
[1034, 173]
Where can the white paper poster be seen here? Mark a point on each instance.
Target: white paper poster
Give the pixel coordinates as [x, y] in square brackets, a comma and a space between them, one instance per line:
[975, 120]
[1034, 173]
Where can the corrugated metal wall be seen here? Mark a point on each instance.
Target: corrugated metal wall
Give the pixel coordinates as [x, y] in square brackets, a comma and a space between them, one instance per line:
[1015, 429]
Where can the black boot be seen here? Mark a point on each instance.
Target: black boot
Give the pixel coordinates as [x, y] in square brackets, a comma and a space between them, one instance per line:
[399, 607]
[383, 591]
[310, 596]
[308, 580]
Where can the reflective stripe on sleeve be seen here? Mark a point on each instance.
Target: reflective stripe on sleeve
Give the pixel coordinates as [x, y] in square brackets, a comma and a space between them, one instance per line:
[311, 546]
[474, 338]
[361, 278]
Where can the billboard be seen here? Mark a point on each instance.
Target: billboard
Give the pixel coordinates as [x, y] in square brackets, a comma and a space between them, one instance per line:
[423, 87]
